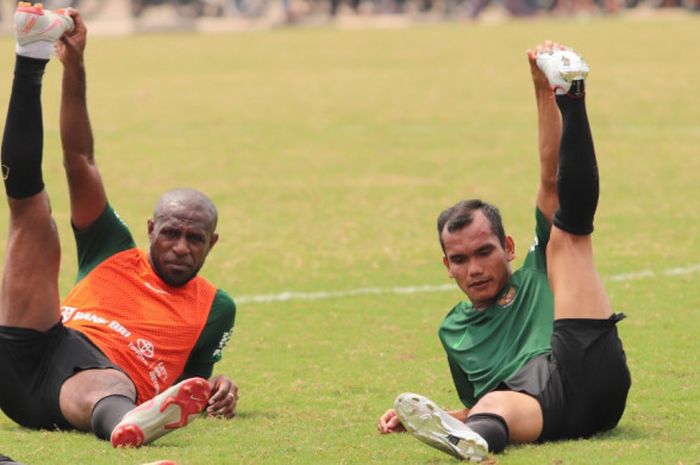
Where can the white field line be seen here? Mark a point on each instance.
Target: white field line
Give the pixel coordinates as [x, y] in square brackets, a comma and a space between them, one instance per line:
[321, 295]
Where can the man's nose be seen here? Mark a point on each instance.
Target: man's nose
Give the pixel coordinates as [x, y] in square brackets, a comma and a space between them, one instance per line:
[181, 246]
[475, 268]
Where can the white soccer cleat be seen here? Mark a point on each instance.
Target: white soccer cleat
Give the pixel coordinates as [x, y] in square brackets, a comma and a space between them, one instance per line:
[174, 408]
[34, 24]
[437, 428]
[562, 67]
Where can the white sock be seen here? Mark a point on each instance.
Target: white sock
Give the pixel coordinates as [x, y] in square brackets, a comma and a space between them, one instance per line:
[41, 49]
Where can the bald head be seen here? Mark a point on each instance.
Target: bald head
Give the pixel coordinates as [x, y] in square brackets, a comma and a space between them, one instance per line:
[179, 200]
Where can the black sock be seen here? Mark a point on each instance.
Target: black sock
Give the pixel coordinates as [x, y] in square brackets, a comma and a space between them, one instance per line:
[577, 177]
[492, 428]
[108, 412]
[23, 140]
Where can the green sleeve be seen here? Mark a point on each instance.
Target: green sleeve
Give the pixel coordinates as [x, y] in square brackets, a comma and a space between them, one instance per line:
[215, 335]
[537, 255]
[105, 237]
[465, 390]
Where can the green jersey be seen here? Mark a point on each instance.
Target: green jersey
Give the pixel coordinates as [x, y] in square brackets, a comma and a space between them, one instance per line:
[109, 235]
[486, 347]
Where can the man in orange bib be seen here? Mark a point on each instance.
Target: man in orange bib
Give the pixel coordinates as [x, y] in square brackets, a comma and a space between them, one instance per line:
[129, 354]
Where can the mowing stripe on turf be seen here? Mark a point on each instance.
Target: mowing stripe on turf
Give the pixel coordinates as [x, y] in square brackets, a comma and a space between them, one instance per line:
[320, 295]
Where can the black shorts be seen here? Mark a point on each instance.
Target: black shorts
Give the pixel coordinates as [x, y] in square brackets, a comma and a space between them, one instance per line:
[33, 367]
[582, 384]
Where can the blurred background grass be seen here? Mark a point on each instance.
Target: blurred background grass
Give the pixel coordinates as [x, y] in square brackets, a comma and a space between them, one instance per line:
[329, 154]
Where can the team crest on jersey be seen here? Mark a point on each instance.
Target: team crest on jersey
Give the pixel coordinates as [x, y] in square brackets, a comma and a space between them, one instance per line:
[506, 298]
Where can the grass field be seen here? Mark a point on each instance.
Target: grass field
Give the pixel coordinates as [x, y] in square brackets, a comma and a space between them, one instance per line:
[329, 154]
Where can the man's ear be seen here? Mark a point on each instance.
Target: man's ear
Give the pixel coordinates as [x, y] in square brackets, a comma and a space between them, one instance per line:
[150, 226]
[446, 262]
[214, 239]
[510, 248]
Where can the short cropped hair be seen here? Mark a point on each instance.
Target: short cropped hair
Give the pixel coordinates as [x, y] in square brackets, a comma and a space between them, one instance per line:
[461, 215]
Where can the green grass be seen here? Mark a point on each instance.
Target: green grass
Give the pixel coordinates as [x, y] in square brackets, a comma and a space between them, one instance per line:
[330, 153]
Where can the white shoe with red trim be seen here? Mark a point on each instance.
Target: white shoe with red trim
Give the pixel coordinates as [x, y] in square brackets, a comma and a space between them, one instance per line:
[174, 408]
[37, 30]
[33, 23]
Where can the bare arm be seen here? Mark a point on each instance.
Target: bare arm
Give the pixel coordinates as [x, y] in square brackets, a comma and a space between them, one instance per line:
[549, 130]
[87, 193]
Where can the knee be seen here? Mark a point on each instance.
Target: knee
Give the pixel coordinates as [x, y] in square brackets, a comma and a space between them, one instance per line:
[116, 382]
[520, 412]
[489, 404]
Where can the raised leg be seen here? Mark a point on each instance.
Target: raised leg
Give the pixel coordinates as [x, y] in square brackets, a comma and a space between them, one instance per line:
[30, 277]
[577, 287]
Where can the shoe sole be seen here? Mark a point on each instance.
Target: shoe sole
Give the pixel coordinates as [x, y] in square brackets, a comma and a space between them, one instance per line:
[564, 69]
[432, 429]
[180, 405]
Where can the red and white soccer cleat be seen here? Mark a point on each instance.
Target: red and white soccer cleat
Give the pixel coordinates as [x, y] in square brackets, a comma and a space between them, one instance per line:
[174, 408]
[34, 24]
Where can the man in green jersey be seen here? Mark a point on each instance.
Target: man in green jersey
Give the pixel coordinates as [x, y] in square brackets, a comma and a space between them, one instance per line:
[535, 354]
[140, 327]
